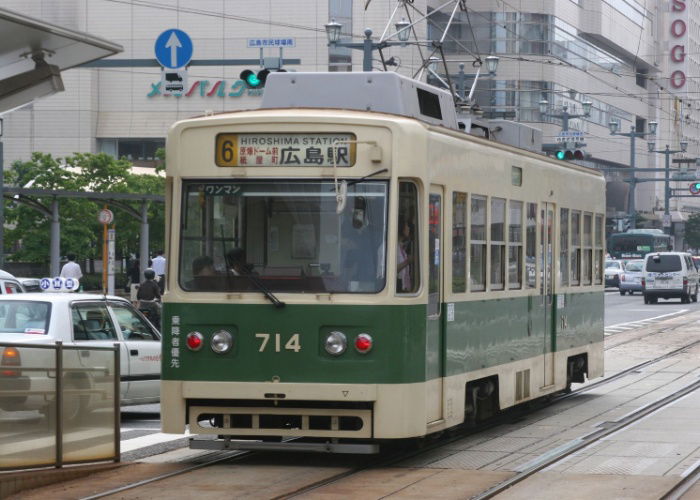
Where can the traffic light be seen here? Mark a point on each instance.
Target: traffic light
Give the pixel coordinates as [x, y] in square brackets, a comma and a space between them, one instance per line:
[256, 81]
[694, 188]
[569, 154]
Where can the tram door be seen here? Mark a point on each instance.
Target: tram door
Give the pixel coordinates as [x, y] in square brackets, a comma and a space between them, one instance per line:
[435, 321]
[547, 288]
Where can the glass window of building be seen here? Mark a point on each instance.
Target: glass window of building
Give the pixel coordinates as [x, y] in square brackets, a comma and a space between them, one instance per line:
[340, 58]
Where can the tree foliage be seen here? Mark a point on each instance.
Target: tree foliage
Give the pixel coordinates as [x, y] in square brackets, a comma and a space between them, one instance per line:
[692, 231]
[28, 232]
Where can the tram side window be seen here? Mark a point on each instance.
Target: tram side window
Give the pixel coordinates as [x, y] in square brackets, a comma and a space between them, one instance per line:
[564, 245]
[515, 245]
[575, 247]
[498, 243]
[599, 238]
[531, 246]
[459, 242]
[407, 272]
[477, 233]
[587, 249]
[434, 232]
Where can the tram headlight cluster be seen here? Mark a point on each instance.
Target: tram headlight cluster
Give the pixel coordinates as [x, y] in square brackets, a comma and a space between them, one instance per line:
[336, 343]
[221, 342]
[194, 341]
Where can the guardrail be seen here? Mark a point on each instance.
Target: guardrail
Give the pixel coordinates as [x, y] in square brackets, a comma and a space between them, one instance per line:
[59, 405]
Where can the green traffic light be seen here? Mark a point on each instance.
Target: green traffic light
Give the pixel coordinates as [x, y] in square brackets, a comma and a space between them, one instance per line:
[561, 155]
[253, 80]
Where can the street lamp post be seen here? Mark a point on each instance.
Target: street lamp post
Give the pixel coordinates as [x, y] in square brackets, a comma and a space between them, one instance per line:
[632, 134]
[667, 152]
[565, 116]
[367, 45]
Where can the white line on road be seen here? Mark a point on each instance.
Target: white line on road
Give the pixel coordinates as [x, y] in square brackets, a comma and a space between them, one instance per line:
[681, 311]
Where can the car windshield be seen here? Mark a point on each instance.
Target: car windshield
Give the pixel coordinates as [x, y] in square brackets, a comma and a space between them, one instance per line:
[634, 266]
[24, 317]
[663, 263]
[612, 264]
[283, 236]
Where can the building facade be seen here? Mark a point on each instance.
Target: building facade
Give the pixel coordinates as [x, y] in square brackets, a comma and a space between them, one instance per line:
[635, 61]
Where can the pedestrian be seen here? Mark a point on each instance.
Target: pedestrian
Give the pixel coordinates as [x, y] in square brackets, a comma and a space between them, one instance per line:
[71, 269]
[148, 297]
[158, 266]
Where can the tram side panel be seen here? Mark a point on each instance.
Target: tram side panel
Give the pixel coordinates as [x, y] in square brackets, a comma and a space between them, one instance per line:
[506, 334]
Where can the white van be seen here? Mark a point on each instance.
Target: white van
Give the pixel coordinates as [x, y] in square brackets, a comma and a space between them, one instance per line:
[667, 275]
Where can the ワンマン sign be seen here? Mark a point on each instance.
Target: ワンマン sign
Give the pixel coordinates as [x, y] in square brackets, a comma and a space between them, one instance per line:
[205, 88]
[678, 30]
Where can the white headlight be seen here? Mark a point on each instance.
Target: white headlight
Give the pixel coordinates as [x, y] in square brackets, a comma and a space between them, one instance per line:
[336, 343]
[221, 342]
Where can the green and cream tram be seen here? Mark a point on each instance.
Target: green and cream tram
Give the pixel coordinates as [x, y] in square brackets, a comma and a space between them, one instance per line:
[345, 276]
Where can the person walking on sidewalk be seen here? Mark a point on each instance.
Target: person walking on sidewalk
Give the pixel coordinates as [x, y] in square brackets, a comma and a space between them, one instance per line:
[158, 267]
[71, 269]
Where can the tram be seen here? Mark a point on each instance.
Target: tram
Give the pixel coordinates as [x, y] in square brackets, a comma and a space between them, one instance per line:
[349, 268]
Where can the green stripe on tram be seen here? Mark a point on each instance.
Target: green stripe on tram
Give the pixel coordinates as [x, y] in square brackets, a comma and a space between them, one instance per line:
[483, 334]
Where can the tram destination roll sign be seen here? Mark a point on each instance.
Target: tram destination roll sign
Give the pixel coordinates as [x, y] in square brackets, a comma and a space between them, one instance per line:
[285, 150]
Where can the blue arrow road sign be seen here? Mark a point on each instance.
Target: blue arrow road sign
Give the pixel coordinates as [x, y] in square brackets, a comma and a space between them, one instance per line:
[173, 48]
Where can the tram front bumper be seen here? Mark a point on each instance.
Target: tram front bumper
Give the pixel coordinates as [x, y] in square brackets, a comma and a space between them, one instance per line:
[390, 411]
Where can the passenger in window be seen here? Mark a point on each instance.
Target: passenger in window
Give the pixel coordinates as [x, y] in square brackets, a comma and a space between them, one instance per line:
[202, 272]
[403, 257]
[236, 260]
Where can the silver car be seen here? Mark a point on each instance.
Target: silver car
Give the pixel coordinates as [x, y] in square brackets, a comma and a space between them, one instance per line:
[631, 277]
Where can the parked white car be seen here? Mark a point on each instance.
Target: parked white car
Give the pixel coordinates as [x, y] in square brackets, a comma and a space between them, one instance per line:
[9, 284]
[669, 275]
[76, 320]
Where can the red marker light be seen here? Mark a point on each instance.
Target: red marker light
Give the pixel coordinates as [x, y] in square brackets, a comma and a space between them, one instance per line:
[195, 340]
[363, 343]
[10, 357]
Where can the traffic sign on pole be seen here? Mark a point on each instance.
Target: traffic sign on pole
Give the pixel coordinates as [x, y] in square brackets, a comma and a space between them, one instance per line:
[174, 49]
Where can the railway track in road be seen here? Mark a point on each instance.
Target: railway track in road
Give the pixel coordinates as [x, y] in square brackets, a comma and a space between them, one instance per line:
[219, 457]
[394, 457]
[557, 455]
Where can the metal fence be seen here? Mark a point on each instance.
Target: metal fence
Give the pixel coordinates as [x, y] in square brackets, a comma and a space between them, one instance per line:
[59, 404]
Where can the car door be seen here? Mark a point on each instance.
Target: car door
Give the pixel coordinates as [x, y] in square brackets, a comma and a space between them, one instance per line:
[92, 325]
[143, 352]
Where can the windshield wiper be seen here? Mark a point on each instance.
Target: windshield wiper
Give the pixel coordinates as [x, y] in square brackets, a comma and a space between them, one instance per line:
[266, 291]
[361, 179]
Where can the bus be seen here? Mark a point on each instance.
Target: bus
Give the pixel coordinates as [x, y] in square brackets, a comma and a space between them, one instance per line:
[342, 277]
[636, 243]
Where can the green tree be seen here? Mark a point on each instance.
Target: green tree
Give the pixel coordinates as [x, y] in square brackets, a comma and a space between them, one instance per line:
[29, 230]
[692, 231]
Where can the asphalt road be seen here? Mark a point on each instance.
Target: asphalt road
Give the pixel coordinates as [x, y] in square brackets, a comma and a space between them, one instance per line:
[622, 309]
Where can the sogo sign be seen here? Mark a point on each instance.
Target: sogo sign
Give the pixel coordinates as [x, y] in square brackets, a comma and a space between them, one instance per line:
[679, 33]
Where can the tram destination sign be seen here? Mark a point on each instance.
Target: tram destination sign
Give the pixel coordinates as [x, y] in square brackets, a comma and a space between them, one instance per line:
[285, 150]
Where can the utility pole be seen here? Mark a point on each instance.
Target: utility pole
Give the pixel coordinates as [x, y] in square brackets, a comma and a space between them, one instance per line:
[667, 152]
[632, 134]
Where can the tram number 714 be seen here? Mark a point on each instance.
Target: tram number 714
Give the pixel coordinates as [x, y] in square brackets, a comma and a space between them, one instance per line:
[293, 344]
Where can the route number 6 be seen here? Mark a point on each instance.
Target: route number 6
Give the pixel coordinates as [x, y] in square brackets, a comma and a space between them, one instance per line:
[293, 344]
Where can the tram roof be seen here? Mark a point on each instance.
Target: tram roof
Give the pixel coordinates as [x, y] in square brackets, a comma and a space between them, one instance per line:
[381, 115]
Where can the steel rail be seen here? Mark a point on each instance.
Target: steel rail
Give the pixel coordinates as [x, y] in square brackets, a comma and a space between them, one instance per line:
[230, 455]
[555, 456]
[500, 419]
[681, 487]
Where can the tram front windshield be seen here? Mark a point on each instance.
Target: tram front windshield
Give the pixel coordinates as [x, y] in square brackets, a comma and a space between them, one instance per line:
[285, 236]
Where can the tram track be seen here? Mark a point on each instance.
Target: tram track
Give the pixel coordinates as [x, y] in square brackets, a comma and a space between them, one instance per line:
[507, 416]
[556, 456]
